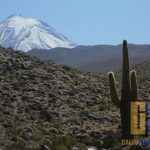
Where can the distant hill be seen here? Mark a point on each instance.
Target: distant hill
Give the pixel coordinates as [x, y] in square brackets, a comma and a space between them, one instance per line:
[93, 58]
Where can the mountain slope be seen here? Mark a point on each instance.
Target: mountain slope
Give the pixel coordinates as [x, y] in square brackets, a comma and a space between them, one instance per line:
[93, 58]
[41, 101]
[24, 34]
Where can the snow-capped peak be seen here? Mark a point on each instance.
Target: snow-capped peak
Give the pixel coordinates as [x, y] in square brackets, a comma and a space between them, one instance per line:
[24, 34]
[18, 22]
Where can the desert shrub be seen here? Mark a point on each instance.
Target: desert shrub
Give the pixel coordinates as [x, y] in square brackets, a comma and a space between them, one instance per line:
[67, 68]
[110, 140]
[93, 109]
[20, 144]
[6, 143]
[75, 120]
[53, 130]
[103, 104]
[60, 147]
[75, 105]
[66, 143]
[90, 141]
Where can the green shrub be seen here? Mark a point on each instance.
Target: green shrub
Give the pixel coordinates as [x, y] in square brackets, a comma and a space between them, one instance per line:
[110, 140]
[66, 143]
[20, 144]
[60, 147]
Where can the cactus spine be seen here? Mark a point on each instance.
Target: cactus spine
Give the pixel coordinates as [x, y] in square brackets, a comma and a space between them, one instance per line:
[128, 92]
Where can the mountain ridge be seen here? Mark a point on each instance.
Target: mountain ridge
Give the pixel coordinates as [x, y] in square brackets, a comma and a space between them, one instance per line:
[93, 58]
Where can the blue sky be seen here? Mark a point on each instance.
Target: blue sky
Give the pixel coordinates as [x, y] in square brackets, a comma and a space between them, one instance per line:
[88, 22]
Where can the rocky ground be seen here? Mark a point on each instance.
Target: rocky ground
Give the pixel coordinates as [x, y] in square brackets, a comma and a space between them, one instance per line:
[46, 106]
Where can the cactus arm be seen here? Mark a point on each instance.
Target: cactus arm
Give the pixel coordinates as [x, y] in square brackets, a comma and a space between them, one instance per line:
[113, 90]
[134, 86]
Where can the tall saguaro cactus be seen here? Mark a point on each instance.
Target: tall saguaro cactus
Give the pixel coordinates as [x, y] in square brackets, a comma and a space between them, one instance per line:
[128, 92]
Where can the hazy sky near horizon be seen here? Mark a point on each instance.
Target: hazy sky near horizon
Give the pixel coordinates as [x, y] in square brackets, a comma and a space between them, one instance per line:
[88, 22]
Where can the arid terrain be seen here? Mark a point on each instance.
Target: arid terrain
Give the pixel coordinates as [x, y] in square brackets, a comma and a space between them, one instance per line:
[43, 105]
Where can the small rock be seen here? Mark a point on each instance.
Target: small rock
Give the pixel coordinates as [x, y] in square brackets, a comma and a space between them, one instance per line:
[44, 147]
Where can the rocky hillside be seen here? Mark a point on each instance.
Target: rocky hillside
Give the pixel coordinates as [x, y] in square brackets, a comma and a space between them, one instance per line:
[47, 106]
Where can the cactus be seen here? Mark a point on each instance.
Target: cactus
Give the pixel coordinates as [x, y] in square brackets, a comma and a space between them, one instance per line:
[128, 92]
